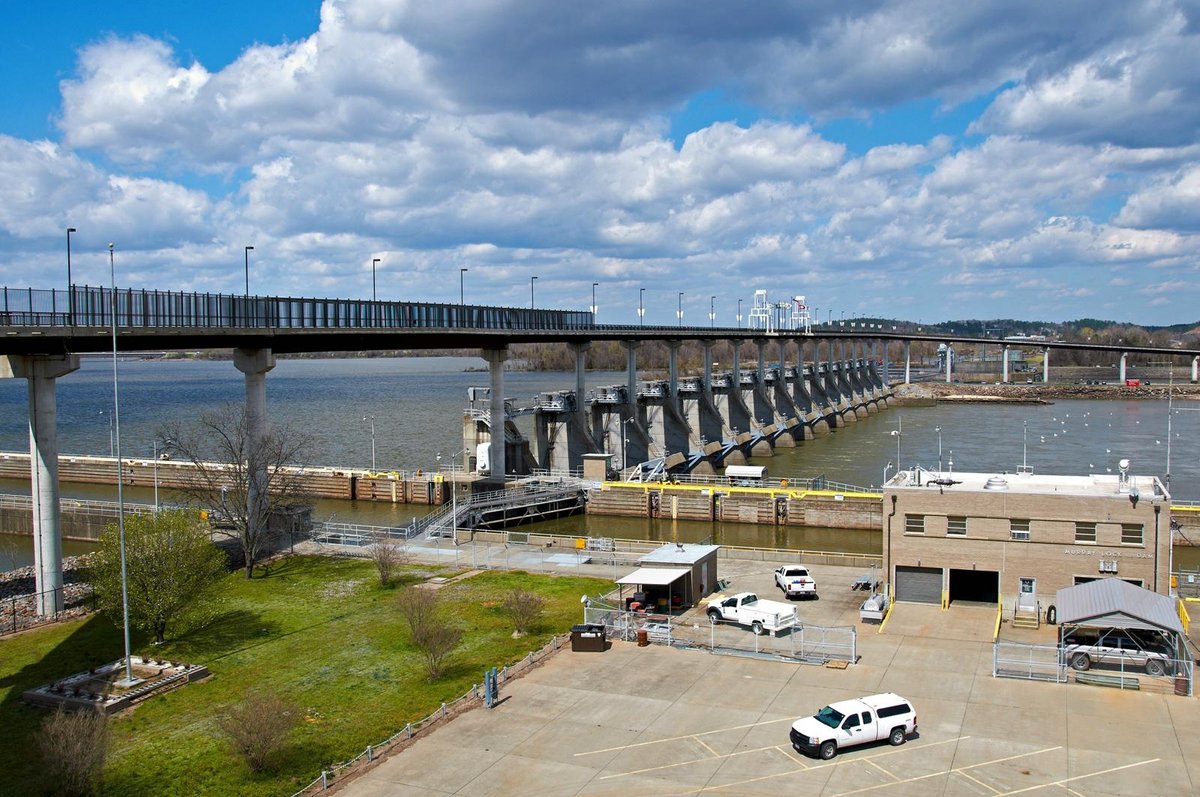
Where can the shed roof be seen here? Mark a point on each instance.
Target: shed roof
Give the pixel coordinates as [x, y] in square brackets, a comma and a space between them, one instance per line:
[679, 553]
[1113, 603]
[654, 576]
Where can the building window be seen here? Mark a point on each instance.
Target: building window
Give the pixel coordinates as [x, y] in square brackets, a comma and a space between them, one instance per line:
[956, 526]
[914, 524]
[1085, 532]
[1131, 533]
[1018, 529]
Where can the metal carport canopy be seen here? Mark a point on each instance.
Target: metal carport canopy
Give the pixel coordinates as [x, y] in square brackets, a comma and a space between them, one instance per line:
[654, 576]
[1113, 603]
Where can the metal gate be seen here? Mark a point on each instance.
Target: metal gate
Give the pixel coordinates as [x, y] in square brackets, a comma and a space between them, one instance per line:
[919, 584]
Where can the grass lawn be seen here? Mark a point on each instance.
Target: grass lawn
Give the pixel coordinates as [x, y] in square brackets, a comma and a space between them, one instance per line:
[320, 632]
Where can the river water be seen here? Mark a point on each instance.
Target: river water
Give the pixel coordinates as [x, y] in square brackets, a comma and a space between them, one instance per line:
[417, 404]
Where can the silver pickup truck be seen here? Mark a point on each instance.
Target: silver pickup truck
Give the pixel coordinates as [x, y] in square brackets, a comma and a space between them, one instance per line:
[1117, 648]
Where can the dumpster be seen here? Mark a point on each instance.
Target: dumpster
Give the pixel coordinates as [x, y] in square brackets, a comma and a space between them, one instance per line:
[588, 638]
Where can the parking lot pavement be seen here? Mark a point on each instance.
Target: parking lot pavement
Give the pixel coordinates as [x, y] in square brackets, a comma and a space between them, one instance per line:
[663, 721]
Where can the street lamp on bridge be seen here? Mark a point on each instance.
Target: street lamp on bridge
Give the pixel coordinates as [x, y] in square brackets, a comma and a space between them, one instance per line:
[679, 312]
[70, 300]
[641, 307]
[532, 280]
[374, 260]
[739, 314]
[712, 311]
[246, 252]
[594, 284]
[461, 285]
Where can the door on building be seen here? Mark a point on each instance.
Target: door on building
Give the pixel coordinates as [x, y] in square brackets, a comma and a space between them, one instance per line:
[982, 586]
[919, 584]
[1027, 594]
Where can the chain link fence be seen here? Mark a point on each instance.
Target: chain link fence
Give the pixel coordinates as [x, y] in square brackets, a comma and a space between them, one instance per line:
[21, 612]
[1049, 663]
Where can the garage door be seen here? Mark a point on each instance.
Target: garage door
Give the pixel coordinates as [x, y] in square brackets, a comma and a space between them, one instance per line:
[982, 586]
[919, 584]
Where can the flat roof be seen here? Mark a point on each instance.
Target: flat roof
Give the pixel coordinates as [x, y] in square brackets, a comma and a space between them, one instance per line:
[679, 553]
[654, 576]
[1096, 484]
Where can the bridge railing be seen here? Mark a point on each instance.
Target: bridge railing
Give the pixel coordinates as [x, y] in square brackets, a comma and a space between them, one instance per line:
[88, 306]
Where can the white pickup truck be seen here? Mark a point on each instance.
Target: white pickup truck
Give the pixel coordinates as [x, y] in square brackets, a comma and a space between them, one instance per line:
[745, 608]
[796, 581]
[854, 722]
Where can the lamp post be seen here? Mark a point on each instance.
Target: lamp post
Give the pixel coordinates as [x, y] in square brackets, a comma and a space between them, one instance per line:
[155, 454]
[938, 429]
[116, 416]
[461, 285]
[886, 468]
[594, 284]
[246, 252]
[531, 281]
[712, 311]
[739, 314]
[371, 418]
[70, 293]
[624, 446]
[896, 433]
[679, 312]
[453, 490]
[641, 307]
[374, 260]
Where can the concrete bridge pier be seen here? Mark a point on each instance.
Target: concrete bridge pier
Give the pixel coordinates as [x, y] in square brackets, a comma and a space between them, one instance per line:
[41, 373]
[842, 380]
[1004, 364]
[819, 382]
[254, 364]
[497, 460]
[1046, 365]
[908, 362]
[1195, 370]
[784, 386]
[727, 396]
[707, 420]
[949, 361]
[765, 411]
[1121, 367]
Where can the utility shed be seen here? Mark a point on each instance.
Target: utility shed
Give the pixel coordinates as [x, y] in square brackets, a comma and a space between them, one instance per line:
[700, 562]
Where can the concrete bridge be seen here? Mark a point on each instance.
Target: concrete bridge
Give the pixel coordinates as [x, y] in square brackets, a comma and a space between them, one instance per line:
[799, 385]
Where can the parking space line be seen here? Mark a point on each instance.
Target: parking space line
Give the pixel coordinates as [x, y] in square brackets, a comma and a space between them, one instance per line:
[974, 779]
[686, 736]
[1081, 777]
[907, 747]
[715, 757]
[706, 747]
[790, 753]
[881, 769]
[958, 770]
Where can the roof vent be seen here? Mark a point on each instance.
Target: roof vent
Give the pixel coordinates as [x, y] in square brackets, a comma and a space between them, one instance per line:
[996, 483]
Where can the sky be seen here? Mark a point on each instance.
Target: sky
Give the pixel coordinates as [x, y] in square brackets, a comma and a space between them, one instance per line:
[915, 160]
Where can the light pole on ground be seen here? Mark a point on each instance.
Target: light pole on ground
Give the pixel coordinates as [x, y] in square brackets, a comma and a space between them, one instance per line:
[116, 418]
[938, 429]
[624, 446]
[896, 433]
[371, 418]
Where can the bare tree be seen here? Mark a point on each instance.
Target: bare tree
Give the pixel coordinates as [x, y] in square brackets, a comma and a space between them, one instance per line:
[241, 480]
[523, 608]
[388, 554]
[258, 726]
[436, 638]
[73, 748]
[170, 562]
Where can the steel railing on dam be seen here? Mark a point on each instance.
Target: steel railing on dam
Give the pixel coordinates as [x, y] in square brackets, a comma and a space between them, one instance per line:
[86, 306]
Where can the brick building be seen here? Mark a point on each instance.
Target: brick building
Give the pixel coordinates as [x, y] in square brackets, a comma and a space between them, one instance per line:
[985, 537]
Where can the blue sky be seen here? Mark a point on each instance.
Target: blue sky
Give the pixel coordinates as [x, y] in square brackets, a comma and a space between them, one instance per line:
[907, 160]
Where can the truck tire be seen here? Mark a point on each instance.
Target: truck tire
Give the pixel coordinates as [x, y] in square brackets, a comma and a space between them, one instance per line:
[1081, 662]
[897, 737]
[714, 616]
[1155, 667]
[757, 628]
[828, 750]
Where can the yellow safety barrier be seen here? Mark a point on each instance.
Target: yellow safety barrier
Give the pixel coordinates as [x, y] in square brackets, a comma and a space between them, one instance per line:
[999, 617]
[1175, 510]
[887, 616]
[1184, 617]
[728, 488]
